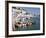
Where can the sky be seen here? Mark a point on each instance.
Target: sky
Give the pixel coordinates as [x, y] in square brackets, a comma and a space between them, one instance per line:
[32, 10]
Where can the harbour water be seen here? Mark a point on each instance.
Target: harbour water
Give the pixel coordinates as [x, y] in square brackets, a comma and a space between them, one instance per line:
[35, 25]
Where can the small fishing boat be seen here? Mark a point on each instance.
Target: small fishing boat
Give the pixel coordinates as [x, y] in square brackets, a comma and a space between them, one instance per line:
[20, 24]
